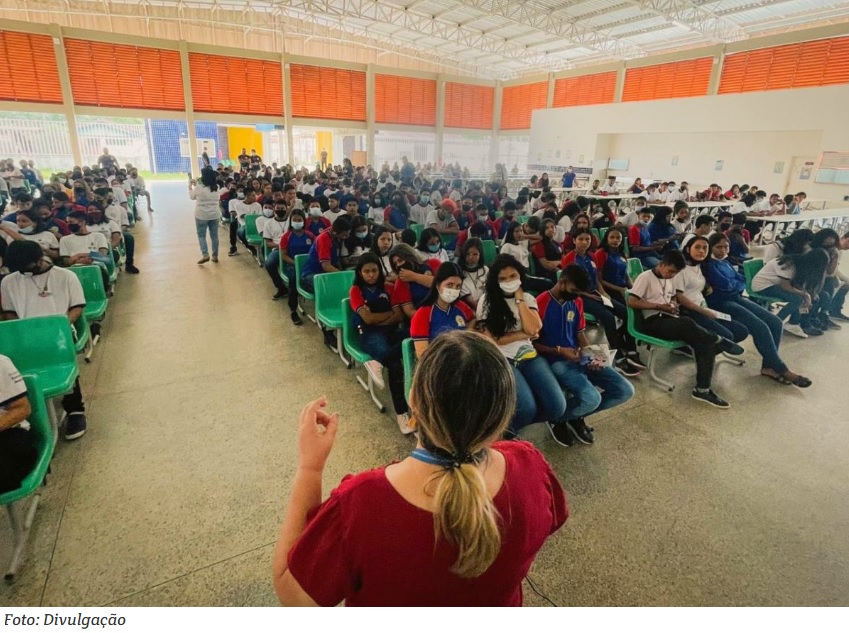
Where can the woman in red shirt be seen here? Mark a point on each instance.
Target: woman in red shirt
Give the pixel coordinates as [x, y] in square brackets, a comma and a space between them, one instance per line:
[457, 523]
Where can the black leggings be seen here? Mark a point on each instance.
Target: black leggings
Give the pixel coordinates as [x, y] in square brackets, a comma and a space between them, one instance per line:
[685, 329]
[17, 457]
[617, 338]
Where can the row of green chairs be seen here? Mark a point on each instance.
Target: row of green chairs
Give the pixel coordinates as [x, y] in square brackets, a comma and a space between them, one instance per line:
[253, 237]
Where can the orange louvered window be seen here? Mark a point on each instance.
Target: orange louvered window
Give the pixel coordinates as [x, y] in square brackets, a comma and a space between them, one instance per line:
[119, 76]
[327, 93]
[406, 100]
[235, 85]
[28, 68]
[690, 78]
[585, 90]
[817, 63]
[518, 102]
[468, 106]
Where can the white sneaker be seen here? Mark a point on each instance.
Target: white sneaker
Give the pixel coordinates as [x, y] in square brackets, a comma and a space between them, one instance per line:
[375, 370]
[795, 330]
[406, 425]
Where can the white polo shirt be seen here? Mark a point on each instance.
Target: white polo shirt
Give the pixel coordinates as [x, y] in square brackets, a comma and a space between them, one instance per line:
[12, 386]
[273, 229]
[71, 245]
[107, 228]
[22, 294]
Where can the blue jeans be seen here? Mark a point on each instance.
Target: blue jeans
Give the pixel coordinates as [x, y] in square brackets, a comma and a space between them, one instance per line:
[764, 326]
[202, 226]
[539, 397]
[791, 309]
[584, 399]
[272, 263]
[383, 344]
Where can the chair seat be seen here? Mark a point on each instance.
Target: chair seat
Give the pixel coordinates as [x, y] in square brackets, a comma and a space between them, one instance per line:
[254, 239]
[659, 342]
[306, 294]
[96, 309]
[356, 352]
[331, 317]
[57, 380]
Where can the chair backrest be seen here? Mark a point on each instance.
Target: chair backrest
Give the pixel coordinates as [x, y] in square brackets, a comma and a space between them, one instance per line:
[91, 281]
[489, 252]
[38, 419]
[350, 340]
[417, 229]
[408, 355]
[39, 342]
[750, 269]
[300, 260]
[601, 233]
[594, 231]
[332, 288]
[635, 268]
[250, 224]
[635, 317]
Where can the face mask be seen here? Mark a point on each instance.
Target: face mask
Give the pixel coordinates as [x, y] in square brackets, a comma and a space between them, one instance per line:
[268, 212]
[297, 225]
[510, 287]
[75, 228]
[361, 235]
[95, 218]
[570, 296]
[640, 207]
[721, 258]
[425, 200]
[449, 295]
[483, 218]
[433, 248]
[467, 207]
[26, 230]
[315, 212]
[240, 195]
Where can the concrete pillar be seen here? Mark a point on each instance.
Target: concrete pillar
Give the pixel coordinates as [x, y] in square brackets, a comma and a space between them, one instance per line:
[287, 110]
[370, 114]
[440, 117]
[190, 109]
[620, 83]
[67, 93]
[496, 124]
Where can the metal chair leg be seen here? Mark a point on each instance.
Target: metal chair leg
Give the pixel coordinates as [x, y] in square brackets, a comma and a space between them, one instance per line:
[369, 386]
[340, 349]
[54, 418]
[21, 525]
[670, 387]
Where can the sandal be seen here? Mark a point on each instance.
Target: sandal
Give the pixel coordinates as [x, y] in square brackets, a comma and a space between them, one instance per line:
[800, 381]
[780, 379]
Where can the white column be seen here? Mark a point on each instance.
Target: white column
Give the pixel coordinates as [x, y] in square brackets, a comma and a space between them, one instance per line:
[549, 100]
[67, 93]
[496, 124]
[287, 110]
[620, 83]
[716, 72]
[440, 116]
[370, 114]
[190, 109]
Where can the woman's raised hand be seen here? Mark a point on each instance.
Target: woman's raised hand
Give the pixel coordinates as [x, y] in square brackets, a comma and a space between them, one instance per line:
[316, 434]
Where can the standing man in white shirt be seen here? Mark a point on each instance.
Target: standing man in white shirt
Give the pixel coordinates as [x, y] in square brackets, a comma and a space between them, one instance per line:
[36, 288]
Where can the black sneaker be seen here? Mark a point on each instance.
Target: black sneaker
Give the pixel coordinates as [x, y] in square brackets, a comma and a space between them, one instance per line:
[232, 252]
[812, 330]
[625, 368]
[729, 347]
[635, 361]
[839, 316]
[279, 295]
[581, 431]
[131, 269]
[330, 339]
[296, 319]
[826, 323]
[75, 427]
[709, 397]
[561, 433]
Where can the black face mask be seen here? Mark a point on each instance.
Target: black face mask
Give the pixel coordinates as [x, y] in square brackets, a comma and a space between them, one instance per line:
[570, 296]
[75, 228]
[467, 207]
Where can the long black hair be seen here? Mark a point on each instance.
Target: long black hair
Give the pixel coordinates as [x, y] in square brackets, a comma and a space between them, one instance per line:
[808, 269]
[605, 242]
[445, 270]
[797, 242]
[368, 258]
[499, 317]
[685, 249]
[425, 237]
[472, 242]
[209, 178]
[552, 251]
[508, 237]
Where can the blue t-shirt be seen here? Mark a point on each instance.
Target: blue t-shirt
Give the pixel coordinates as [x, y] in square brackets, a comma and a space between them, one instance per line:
[587, 262]
[725, 282]
[430, 321]
[615, 270]
[397, 218]
[569, 179]
[561, 322]
[659, 231]
[376, 299]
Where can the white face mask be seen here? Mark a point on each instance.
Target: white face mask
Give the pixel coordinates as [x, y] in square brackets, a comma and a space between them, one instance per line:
[510, 287]
[29, 230]
[268, 212]
[315, 212]
[449, 295]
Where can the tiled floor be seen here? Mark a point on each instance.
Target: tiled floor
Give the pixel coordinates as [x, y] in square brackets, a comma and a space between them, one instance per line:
[174, 496]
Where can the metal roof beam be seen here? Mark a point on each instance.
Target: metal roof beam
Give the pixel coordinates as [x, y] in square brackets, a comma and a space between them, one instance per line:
[695, 18]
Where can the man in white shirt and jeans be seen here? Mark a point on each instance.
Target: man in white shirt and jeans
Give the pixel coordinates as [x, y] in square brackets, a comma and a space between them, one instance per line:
[37, 288]
[654, 293]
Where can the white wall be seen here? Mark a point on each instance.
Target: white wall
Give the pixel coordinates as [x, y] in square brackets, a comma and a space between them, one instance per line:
[694, 129]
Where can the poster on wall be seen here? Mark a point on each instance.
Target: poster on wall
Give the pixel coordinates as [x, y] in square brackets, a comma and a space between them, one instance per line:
[805, 174]
[779, 168]
[719, 165]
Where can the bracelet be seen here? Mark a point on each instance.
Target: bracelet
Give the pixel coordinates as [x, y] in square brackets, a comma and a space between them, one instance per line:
[520, 301]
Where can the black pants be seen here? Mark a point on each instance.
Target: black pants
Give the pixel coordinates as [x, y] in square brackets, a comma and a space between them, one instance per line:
[537, 284]
[838, 294]
[685, 329]
[234, 227]
[73, 402]
[130, 247]
[617, 338]
[17, 457]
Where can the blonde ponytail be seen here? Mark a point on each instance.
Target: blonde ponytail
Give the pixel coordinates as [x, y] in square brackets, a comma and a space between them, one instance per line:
[467, 518]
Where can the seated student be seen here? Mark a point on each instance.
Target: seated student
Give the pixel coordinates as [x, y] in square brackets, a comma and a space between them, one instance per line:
[267, 212]
[325, 254]
[99, 223]
[442, 310]
[633, 217]
[478, 230]
[733, 193]
[637, 187]
[474, 271]
[640, 241]
[408, 237]
[333, 209]
[516, 244]
[627, 361]
[726, 295]
[46, 216]
[605, 216]
[397, 214]
[382, 242]
[239, 208]
[316, 222]
[420, 211]
[690, 288]
[509, 316]
[503, 223]
[443, 221]
[681, 193]
[610, 186]
[560, 341]
[295, 241]
[18, 453]
[546, 253]
[703, 225]
[272, 231]
[466, 543]
[613, 265]
[83, 247]
[596, 187]
[661, 229]
[682, 222]
[36, 288]
[358, 242]
[430, 246]
[580, 222]
[654, 294]
[28, 227]
[797, 280]
[738, 238]
[791, 205]
[377, 323]
[835, 286]
[415, 278]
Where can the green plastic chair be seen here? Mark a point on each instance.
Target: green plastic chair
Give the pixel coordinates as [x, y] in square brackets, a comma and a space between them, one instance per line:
[300, 260]
[96, 300]
[281, 268]
[635, 322]
[489, 252]
[750, 269]
[351, 341]
[635, 268]
[417, 229]
[595, 234]
[253, 236]
[408, 357]
[522, 219]
[112, 270]
[330, 290]
[21, 513]
[82, 337]
[601, 233]
[44, 347]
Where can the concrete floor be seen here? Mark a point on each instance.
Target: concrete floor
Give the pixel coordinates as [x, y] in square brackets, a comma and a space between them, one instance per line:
[175, 495]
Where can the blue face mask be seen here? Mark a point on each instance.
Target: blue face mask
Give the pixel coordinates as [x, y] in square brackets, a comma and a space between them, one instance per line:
[434, 248]
[361, 234]
[297, 226]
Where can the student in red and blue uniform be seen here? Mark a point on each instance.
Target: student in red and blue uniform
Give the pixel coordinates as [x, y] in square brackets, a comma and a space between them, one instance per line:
[640, 241]
[325, 253]
[560, 341]
[296, 241]
[415, 278]
[442, 310]
[377, 321]
[316, 222]
[613, 265]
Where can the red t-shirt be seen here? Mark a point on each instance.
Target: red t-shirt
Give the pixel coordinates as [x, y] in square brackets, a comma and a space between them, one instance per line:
[367, 546]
